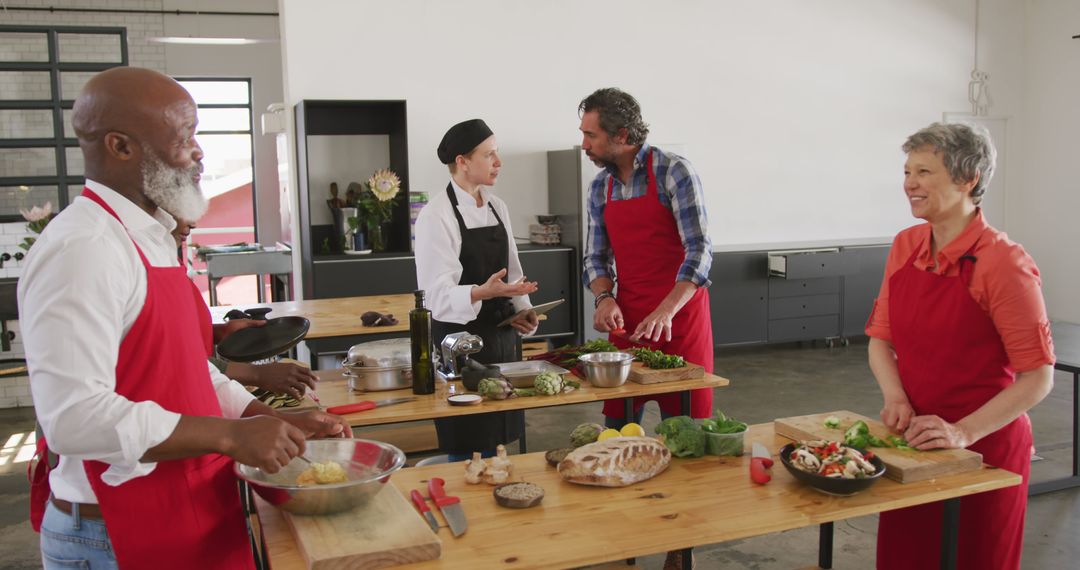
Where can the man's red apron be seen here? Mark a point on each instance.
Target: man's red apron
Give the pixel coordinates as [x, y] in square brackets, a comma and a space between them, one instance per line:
[648, 253]
[952, 361]
[186, 513]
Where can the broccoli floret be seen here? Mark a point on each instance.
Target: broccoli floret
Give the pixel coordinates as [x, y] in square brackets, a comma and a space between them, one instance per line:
[858, 435]
[675, 424]
[687, 442]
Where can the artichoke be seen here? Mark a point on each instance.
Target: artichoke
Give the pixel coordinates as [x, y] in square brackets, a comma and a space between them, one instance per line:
[585, 434]
[495, 389]
[548, 384]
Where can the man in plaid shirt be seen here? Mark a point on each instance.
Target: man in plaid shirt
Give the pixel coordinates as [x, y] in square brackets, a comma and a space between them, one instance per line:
[648, 231]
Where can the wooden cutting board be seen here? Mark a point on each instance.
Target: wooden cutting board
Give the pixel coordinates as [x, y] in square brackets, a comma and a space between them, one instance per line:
[387, 531]
[902, 466]
[644, 375]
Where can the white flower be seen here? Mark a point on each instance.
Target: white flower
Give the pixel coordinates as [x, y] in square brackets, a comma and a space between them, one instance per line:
[37, 213]
[384, 184]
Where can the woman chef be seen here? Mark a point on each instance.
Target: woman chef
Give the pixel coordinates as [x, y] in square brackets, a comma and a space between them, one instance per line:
[960, 345]
[467, 262]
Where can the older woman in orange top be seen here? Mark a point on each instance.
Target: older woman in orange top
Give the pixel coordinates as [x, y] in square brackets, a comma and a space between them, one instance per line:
[960, 345]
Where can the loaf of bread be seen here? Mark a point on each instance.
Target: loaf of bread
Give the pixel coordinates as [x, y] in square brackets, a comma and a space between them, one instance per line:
[615, 462]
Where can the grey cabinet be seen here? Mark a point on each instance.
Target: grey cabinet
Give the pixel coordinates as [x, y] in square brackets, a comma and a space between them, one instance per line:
[862, 285]
[766, 297]
[738, 298]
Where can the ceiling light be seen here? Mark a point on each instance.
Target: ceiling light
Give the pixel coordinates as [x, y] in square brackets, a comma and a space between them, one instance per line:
[190, 40]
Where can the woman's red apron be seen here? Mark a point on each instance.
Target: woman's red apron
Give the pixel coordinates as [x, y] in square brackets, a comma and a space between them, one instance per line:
[952, 361]
[186, 513]
[648, 253]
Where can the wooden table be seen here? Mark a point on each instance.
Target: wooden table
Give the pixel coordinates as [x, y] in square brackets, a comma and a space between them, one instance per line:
[334, 391]
[1067, 349]
[335, 323]
[695, 502]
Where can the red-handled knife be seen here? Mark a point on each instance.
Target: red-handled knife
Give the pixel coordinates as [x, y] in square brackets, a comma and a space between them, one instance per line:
[421, 505]
[448, 505]
[760, 460]
[367, 405]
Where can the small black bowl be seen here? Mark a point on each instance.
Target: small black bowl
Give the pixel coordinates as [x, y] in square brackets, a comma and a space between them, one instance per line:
[831, 485]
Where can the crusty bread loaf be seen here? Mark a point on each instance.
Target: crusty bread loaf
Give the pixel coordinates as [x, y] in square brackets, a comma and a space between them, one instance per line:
[616, 462]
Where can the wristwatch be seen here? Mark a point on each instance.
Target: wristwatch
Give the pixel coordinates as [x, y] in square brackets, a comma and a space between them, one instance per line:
[603, 295]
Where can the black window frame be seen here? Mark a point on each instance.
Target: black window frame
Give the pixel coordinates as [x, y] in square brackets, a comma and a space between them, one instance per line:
[58, 142]
[250, 106]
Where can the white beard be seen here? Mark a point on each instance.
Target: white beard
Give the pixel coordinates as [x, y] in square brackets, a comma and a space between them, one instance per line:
[173, 189]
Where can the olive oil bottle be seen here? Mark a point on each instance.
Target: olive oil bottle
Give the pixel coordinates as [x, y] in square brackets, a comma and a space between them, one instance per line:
[423, 348]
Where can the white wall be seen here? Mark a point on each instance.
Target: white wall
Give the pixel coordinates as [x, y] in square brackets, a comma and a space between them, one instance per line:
[792, 111]
[259, 62]
[1043, 212]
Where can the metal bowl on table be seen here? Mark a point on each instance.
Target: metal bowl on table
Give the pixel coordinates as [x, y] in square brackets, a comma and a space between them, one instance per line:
[606, 369]
[379, 365]
[832, 485]
[368, 465]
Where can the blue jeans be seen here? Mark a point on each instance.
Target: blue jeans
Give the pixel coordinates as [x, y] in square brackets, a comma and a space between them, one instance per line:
[70, 541]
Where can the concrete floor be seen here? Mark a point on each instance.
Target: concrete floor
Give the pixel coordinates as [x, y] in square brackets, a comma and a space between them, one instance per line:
[767, 383]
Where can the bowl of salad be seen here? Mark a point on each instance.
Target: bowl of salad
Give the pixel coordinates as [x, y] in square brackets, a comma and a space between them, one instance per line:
[832, 467]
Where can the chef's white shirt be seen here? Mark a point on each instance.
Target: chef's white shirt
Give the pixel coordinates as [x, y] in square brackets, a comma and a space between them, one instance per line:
[81, 290]
[438, 247]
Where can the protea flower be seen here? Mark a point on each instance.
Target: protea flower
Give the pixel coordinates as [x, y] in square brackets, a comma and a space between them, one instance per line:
[38, 213]
[384, 184]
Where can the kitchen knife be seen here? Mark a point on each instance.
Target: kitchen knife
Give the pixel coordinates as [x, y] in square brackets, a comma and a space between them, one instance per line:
[421, 506]
[448, 505]
[367, 405]
[760, 460]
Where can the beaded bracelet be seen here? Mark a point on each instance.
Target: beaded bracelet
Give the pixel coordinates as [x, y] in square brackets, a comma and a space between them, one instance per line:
[601, 297]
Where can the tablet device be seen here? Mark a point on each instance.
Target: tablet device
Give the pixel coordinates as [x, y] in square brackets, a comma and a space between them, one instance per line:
[540, 309]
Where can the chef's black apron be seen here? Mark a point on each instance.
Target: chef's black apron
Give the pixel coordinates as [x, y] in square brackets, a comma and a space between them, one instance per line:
[484, 251]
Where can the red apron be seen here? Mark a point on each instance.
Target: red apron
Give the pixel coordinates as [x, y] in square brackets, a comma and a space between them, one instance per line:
[952, 361]
[648, 253]
[186, 513]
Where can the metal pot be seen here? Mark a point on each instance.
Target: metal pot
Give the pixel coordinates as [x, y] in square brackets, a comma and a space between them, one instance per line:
[606, 369]
[379, 365]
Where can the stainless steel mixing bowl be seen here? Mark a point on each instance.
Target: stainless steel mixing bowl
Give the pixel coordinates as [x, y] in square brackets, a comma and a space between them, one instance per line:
[368, 465]
[606, 369]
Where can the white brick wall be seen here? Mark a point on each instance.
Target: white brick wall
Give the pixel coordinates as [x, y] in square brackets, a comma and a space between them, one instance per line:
[16, 391]
[82, 48]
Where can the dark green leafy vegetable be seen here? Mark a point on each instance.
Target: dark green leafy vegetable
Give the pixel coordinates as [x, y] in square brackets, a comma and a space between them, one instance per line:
[682, 436]
[657, 359]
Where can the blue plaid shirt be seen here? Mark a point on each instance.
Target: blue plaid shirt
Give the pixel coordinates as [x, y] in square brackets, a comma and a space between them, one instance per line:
[679, 189]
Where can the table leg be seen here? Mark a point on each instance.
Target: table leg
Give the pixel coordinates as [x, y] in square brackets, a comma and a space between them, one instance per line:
[628, 410]
[825, 547]
[1073, 481]
[687, 555]
[1076, 425]
[521, 442]
[684, 399]
[213, 291]
[950, 532]
[259, 285]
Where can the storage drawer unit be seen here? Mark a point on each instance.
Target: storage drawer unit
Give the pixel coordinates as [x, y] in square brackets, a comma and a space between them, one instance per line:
[806, 306]
[807, 264]
[799, 287]
[809, 328]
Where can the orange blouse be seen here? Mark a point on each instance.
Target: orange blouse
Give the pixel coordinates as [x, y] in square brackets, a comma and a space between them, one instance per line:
[1005, 283]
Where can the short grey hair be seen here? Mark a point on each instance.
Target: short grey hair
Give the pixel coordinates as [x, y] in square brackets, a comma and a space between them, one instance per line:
[618, 110]
[966, 150]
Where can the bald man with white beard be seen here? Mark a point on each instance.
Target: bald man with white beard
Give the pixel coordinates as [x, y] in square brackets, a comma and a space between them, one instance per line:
[117, 339]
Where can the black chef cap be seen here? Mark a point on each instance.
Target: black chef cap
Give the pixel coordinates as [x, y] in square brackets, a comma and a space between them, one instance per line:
[462, 138]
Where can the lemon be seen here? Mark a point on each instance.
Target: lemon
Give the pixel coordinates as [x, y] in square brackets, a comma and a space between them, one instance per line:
[608, 434]
[632, 430]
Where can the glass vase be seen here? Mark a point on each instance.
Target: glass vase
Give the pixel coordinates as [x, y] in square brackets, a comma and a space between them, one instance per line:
[377, 236]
